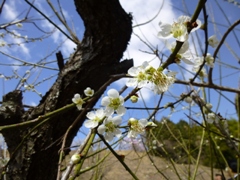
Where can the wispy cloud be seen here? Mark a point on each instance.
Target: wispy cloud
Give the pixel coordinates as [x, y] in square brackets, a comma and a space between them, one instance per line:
[10, 12]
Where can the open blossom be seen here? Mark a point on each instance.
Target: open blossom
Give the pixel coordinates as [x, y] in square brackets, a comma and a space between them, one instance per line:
[183, 54]
[212, 41]
[140, 77]
[89, 92]
[178, 29]
[136, 127]
[94, 118]
[78, 101]
[198, 63]
[109, 128]
[161, 81]
[113, 102]
[148, 74]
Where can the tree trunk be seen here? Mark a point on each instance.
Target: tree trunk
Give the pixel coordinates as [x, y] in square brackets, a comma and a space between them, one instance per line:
[107, 32]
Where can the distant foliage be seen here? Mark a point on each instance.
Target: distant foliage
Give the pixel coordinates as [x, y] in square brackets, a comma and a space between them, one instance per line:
[181, 142]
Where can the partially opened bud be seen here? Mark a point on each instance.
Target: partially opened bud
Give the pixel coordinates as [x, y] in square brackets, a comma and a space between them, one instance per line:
[134, 98]
[75, 158]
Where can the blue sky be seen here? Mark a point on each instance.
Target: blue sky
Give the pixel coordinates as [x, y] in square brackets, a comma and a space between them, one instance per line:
[142, 11]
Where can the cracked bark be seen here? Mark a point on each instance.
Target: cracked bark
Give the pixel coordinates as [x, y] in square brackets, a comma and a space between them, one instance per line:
[107, 31]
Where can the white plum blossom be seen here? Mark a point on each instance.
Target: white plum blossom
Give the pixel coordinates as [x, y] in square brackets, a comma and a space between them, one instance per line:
[109, 128]
[198, 62]
[183, 54]
[113, 102]
[136, 127]
[147, 74]
[178, 29]
[89, 92]
[161, 81]
[140, 78]
[94, 118]
[78, 101]
[212, 41]
[209, 60]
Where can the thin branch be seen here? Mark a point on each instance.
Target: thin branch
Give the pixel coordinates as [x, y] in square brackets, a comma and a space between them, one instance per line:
[213, 86]
[51, 21]
[219, 46]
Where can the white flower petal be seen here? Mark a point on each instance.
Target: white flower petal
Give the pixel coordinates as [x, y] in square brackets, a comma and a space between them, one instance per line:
[101, 129]
[105, 101]
[132, 134]
[121, 99]
[117, 120]
[144, 65]
[133, 71]
[184, 48]
[109, 111]
[165, 31]
[90, 115]
[117, 132]
[108, 136]
[121, 110]
[132, 82]
[90, 124]
[79, 106]
[113, 93]
[142, 84]
[100, 113]
[187, 61]
[143, 122]
[183, 19]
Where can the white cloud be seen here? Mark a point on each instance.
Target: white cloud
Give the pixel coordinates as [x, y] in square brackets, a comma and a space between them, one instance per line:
[10, 12]
[58, 37]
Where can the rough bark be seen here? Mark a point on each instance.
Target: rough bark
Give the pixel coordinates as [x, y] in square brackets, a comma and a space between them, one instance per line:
[107, 32]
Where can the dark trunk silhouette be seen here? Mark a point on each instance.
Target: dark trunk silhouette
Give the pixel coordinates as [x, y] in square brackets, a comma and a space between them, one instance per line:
[107, 32]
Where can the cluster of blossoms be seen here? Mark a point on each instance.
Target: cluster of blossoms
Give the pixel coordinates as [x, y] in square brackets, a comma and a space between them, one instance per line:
[105, 120]
[145, 74]
[180, 31]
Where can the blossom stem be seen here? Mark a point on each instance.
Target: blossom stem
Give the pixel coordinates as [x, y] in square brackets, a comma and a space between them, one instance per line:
[84, 152]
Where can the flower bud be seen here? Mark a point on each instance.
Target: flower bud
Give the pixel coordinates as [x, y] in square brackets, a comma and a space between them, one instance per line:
[75, 158]
[134, 98]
